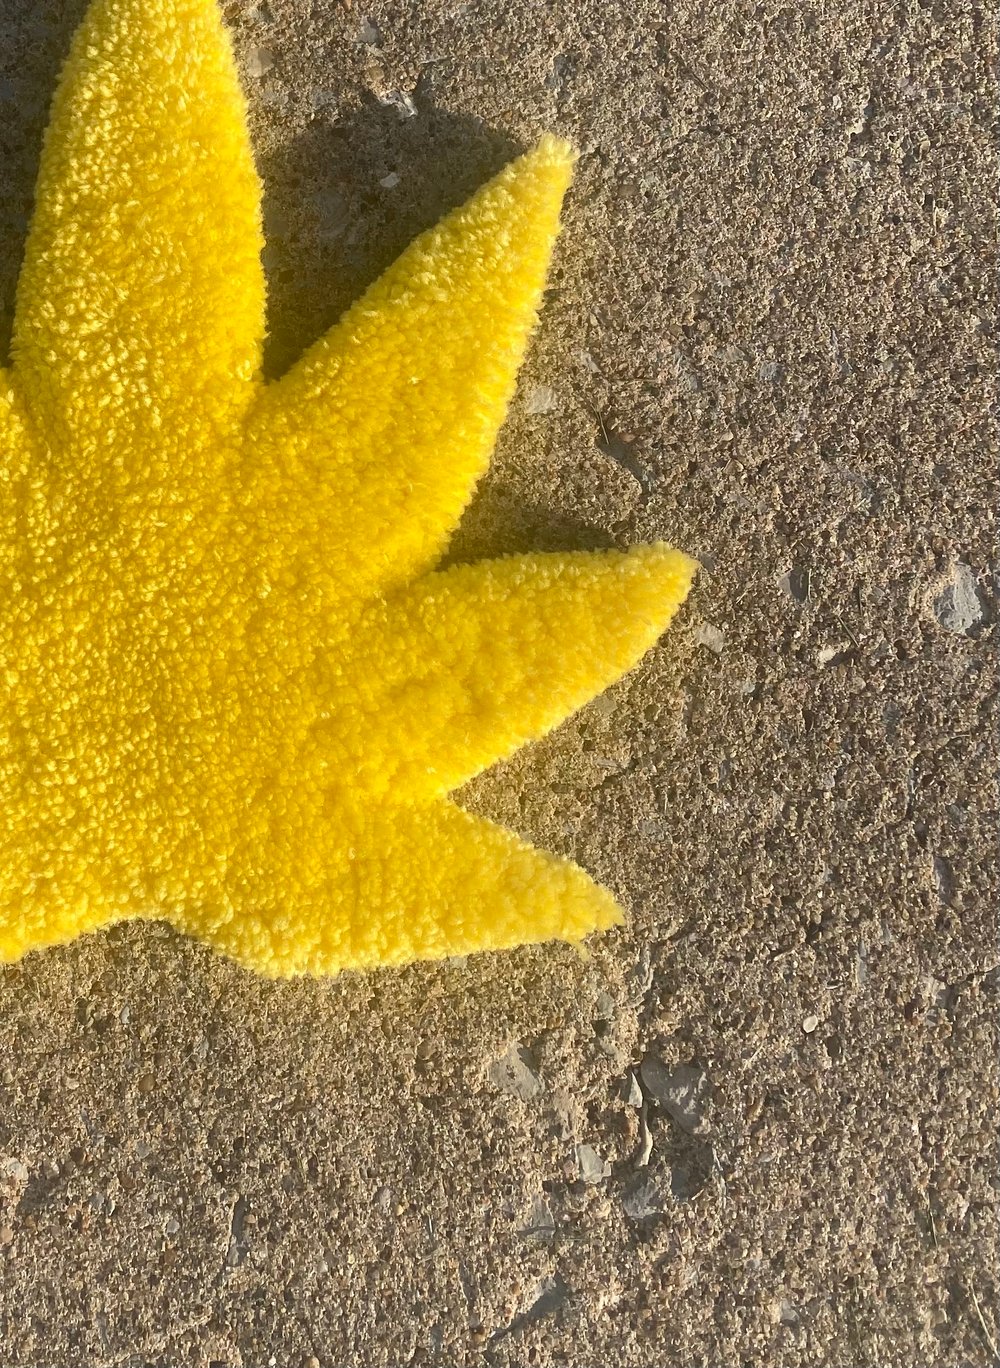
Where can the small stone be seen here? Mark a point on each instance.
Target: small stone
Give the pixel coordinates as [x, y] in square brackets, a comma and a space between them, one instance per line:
[795, 583]
[785, 1312]
[172, 1226]
[957, 606]
[541, 399]
[809, 1024]
[711, 636]
[369, 33]
[259, 62]
[540, 1222]
[593, 1169]
[645, 1152]
[146, 1083]
[390, 181]
[936, 991]
[681, 1091]
[633, 1092]
[13, 1168]
[404, 104]
[642, 1197]
[861, 964]
[6, 1235]
[515, 1074]
[835, 653]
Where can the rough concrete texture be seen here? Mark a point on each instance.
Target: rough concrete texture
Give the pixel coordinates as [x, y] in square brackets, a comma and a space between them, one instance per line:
[770, 338]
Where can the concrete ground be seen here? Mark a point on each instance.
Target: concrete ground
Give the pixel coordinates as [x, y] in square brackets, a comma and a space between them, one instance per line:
[757, 1126]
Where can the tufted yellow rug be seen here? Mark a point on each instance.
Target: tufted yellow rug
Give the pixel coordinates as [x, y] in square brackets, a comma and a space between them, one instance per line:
[236, 692]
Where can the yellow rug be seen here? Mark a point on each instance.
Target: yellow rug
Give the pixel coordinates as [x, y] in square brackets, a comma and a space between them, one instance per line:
[236, 692]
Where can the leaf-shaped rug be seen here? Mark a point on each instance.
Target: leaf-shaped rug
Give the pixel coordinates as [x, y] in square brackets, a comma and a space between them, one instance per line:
[236, 692]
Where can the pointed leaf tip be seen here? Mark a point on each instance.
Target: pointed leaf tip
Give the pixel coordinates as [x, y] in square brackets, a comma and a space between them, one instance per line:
[663, 575]
[476, 660]
[551, 150]
[547, 168]
[141, 297]
[422, 882]
[408, 391]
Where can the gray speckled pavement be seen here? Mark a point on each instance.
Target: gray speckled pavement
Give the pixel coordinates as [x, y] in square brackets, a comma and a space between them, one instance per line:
[770, 339]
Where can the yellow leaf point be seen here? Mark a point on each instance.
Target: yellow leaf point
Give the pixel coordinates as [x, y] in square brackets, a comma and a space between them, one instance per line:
[140, 302]
[237, 692]
[378, 435]
[469, 664]
[388, 886]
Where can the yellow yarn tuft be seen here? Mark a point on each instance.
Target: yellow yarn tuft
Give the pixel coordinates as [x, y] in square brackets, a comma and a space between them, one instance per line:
[237, 694]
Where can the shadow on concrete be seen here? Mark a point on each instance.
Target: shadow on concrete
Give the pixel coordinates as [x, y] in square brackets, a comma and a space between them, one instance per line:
[33, 47]
[342, 200]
